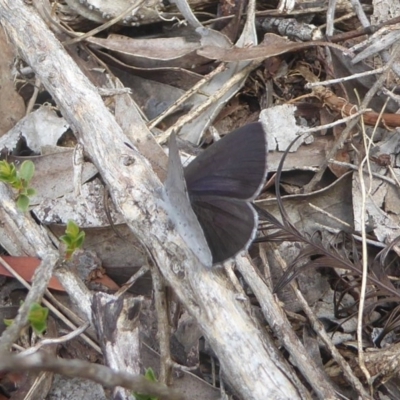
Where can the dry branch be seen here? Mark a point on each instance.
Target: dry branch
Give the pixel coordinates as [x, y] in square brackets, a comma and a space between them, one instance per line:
[246, 359]
[23, 230]
[106, 376]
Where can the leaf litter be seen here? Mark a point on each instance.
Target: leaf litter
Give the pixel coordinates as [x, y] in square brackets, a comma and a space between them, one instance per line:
[317, 227]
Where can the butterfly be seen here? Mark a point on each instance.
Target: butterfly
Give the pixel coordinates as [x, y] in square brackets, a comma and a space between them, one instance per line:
[221, 184]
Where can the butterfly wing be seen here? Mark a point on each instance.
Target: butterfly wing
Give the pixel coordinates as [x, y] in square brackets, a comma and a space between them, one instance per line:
[229, 225]
[179, 207]
[235, 166]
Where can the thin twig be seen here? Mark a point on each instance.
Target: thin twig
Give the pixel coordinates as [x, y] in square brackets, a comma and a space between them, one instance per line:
[50, 306]
[108, 377]
[186, 96]
[310, 85]
[368, 142]
[355, 168]
[211, 100]
[62, 339]
[346, 132]
[356, 237]
[334, 123]
[34, 96]
[39, 283]
[325, 213]
[131, 281]
[318, 327]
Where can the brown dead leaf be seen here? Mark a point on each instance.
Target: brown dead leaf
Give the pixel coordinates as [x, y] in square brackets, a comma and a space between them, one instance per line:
[272, 45]
[153, 53]
[343, 156]
[26, 267]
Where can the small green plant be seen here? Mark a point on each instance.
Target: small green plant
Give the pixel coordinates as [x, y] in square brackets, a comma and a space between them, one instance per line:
[37, 318]
[19, 180]
[150, 376]
[73, 238]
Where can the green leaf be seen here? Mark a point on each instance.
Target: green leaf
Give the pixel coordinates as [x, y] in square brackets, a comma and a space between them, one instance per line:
[8, 322]
[80, 239]
[30, 192]
[73, 238]
[72, 229]
[23, 202]
[39, 326]
[150, 376]
[27, 170]
[38, 317]
[139, 396]
[9, 179]
[66, 240]
[6, 169]
[8, 173]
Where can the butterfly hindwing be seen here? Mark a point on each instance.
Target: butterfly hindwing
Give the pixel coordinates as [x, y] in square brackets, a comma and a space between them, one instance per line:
[229, 225]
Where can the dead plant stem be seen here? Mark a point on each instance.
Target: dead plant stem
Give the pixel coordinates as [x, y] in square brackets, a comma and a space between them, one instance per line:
[368, 143]
[211, 100]
[186, 96]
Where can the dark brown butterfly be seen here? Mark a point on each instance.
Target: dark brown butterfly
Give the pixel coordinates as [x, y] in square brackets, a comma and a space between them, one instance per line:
[222, 182]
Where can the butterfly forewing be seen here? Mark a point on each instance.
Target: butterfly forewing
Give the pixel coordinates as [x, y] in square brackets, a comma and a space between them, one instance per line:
[235, 166]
